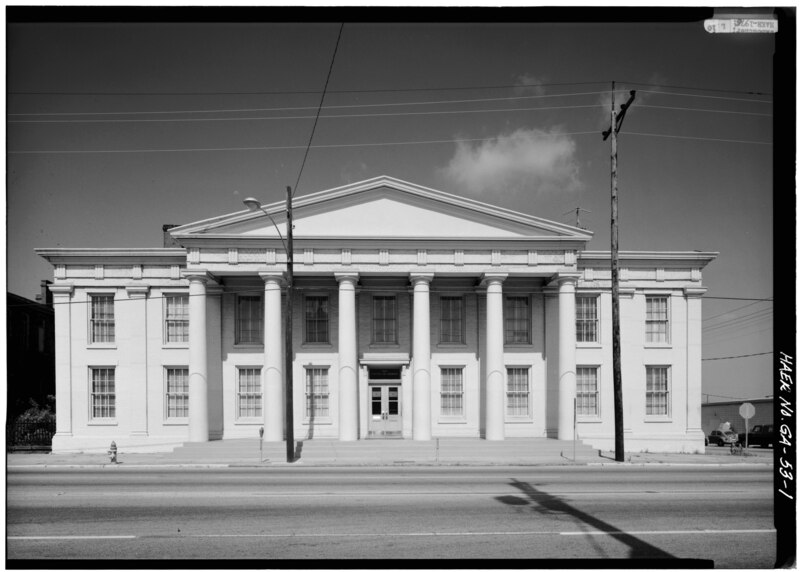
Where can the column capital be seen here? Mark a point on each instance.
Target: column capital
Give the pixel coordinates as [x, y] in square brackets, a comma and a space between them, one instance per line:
[493, 278]
[197, 275]
[694, 292]
[276, 277]
[416, 277]
[61, 289]
[565, 278]
[137, 290]
[345, 277]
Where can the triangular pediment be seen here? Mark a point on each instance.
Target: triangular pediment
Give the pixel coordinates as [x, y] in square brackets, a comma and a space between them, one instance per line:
[384, 208]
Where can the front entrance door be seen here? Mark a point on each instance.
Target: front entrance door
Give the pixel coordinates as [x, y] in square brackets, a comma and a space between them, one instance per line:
[385, 419]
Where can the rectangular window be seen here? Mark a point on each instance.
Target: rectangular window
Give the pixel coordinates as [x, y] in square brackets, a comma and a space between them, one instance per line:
[102, 319]
[657, 320]
[384, 319]
[657, 390]
[317, 392]
[317, 320]
[587, 393]
[248, 392]
[452, 395]
[517, 391]
[518, 320]
[103, 395]
[249, 320]
[176, 319]
[177, 393]
[451, 329]
[586, 318]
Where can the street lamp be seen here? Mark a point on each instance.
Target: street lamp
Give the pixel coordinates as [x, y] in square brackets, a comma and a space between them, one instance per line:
[255, 205]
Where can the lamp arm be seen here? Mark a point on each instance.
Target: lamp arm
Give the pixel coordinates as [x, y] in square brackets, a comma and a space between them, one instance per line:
[272, 220]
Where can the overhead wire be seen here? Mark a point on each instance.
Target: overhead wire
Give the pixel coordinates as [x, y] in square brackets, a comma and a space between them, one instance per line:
[350, 106]
[319, 109]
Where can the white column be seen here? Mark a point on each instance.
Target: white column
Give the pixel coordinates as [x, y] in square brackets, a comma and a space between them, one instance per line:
[62, 304]
[421, 393]
[694, 363]
[135, 314]
[566, 356]
[495, 366]
[273, 358]
[348, 361]
[198, 358]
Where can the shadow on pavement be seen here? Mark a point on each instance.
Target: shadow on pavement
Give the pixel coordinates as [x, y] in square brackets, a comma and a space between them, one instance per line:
[545, 503]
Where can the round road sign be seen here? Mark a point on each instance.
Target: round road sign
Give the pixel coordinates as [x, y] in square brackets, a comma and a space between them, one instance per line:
[747, 410]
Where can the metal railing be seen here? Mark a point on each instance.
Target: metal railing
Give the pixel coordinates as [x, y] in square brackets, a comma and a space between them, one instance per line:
[30, 435]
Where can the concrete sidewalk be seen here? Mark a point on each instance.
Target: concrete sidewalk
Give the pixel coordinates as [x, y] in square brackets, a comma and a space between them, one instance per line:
[387, 453]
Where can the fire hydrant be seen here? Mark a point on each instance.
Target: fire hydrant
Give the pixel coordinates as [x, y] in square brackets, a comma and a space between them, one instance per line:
[113, 451]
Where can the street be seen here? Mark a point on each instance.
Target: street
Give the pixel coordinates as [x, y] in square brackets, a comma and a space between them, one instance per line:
[724, 514]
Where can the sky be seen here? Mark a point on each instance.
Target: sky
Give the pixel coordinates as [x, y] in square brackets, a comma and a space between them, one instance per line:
[116, 128]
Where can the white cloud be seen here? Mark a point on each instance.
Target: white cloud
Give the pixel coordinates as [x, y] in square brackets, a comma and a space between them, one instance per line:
[528, 84]
[527, 160]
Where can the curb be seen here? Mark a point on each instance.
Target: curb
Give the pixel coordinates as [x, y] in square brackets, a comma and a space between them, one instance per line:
[237, 465]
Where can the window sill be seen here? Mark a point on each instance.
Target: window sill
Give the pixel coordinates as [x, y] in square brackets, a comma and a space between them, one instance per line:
[519, 420]
[316, 345]
[103, 422]
[181, 346]
[588, 345]
[589, 420]
[658, 419]
[379, 345]
[181, 421]
[657, 346]
[248, 347]
[101, 346]
[520, 345]
[249, 421]
[320, 421]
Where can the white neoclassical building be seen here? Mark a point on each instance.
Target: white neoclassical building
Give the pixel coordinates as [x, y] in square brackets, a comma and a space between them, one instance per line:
[417, 314]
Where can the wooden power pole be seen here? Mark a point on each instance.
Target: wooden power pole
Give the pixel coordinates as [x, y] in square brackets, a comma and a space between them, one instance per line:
[288, 333]
[616, 123]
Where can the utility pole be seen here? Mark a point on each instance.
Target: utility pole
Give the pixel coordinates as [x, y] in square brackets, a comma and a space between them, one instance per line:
[616, 123]
[288, 333]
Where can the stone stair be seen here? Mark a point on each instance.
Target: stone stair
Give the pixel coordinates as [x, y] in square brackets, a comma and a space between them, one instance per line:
[450, 451]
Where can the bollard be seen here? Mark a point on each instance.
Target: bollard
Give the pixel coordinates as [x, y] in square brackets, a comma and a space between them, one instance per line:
[112, 451]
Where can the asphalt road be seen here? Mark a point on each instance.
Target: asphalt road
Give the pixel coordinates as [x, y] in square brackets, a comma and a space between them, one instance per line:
[723, 514]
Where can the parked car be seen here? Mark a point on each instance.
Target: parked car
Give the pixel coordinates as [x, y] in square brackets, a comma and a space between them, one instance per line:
[760, 435]
[722, 438]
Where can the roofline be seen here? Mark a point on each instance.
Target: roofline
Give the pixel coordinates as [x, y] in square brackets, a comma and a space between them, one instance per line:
[52, 254]
[398, 184]
[678, 255]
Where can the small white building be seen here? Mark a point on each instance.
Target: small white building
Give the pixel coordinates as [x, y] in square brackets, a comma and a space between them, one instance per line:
[416, 314]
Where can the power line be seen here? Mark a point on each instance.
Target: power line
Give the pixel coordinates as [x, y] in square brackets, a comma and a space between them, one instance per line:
[737, 320]
[730, 311]
[735, 298]
[697, 88]
[704, 96]
[736, 357]
[347, 145]
[727, 338]
[308, 92]
[705, 110]
[702, 138]
[316, 119]
[357, 105]
[277, 147]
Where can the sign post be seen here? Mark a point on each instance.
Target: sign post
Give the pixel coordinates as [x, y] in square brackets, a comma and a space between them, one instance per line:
[747, 410]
